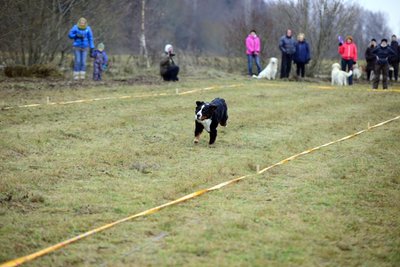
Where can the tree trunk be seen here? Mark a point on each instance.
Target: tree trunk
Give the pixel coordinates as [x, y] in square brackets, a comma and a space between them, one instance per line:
[247, 13]
[142, 38]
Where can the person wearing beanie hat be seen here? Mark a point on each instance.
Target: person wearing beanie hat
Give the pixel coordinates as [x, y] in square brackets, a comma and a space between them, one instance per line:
[370, 58]
[253, 46]
[348, 52]
[168, 69]
[100, 62]
[394, 60]
[82, 35]
[383, 52]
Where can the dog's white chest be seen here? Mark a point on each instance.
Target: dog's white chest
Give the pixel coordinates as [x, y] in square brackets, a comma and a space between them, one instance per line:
[206, 124]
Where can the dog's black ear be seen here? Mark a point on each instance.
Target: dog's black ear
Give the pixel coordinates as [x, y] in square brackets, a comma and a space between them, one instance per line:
[199, 103]
[213, 107]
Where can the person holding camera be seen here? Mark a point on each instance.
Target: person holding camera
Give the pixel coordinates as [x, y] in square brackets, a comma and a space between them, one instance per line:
[82, 35]
[168, 69]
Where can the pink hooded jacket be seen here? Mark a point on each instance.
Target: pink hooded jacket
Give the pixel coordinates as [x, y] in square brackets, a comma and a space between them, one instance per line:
[252, 45]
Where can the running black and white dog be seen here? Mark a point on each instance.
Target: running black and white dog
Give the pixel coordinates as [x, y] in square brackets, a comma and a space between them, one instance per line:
[208, 116]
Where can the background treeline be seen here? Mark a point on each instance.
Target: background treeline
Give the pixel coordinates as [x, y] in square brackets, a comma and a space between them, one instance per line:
[35, 31]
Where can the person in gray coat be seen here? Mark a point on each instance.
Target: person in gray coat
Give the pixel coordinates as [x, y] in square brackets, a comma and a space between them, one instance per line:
[287, 45]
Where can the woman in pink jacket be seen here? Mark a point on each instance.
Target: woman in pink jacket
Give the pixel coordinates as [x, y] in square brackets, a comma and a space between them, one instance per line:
[348, 51]
[253, 45]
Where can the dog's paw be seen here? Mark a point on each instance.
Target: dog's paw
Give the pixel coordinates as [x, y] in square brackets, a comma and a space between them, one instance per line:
[196, 140]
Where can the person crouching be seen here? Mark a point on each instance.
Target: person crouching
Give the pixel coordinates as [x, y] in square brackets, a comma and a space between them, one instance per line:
[168, 69]
[100, 62]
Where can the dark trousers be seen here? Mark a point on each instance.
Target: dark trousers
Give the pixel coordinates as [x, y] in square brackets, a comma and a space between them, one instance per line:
[286, 65]
[349, 64]
[300, 69]
[380, 69]
[395, 71]
[97, 71]
[369, 74]
[171, 74]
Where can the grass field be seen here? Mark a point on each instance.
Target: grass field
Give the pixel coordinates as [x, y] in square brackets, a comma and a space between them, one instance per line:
[66, 169]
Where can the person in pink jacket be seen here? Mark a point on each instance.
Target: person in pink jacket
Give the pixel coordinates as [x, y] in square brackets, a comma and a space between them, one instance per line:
[348, 52]
[253, 45]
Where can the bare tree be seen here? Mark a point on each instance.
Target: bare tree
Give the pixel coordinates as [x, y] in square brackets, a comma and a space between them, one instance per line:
[143, 47]
[35, 32]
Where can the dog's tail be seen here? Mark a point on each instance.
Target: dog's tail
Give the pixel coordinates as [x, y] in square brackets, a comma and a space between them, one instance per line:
[349, 73]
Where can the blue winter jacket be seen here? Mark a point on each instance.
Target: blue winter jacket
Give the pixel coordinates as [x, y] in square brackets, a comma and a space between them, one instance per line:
[302, 54]
[100, 57]
[287, 45]
[82, 38]
[383, 54]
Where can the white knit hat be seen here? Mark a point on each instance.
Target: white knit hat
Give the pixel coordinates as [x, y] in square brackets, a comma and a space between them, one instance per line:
[168, 48]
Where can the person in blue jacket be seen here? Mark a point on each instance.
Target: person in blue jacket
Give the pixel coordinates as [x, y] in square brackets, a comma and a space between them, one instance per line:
[83, 39]
[302, 55]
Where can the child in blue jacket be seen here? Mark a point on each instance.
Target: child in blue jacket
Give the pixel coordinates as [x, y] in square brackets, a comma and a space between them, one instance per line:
[82, 35]
[100, 62]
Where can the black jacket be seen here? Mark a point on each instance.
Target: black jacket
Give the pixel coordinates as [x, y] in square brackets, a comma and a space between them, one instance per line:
[395, 47]
[383, 54]
[165, 63]
[370, 58]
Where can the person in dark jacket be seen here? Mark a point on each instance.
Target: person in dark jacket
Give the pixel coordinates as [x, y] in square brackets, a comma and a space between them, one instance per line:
[394, 60]
[383, 52]
[370, 58]
[168, 70]
[100, 62]
[287, 45]
[302, 55]
[82, 35]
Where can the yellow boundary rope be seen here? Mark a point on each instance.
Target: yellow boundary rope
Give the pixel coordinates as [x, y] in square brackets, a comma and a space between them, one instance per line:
[24, 259]
[165, 94]
[123, 97]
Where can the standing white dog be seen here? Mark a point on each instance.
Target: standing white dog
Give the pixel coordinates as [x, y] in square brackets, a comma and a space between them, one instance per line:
[270, 71]
[338, 76]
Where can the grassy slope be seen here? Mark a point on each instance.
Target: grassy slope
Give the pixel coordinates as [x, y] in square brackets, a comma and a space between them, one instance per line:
[68, 169]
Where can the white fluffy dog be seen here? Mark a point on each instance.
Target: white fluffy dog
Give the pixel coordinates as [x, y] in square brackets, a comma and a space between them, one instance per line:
[270, 71]
[338, 76]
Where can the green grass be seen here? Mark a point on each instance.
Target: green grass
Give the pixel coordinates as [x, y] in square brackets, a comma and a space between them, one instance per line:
[66, 169]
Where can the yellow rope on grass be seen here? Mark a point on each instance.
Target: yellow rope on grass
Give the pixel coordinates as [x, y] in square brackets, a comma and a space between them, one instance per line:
[30, 257]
